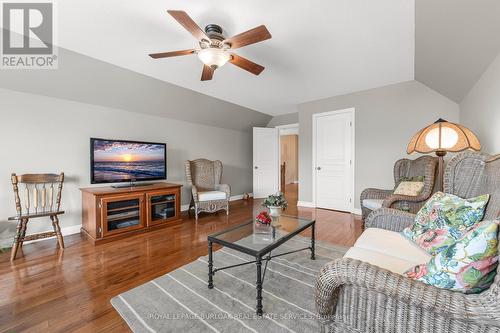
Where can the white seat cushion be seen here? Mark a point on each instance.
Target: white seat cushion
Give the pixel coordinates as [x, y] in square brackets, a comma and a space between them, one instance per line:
[211, 195]
[393, 244]
[393, 264]
[387, 249]
[373, 204]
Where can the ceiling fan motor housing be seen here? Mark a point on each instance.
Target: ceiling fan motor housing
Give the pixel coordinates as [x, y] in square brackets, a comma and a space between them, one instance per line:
[214, 31]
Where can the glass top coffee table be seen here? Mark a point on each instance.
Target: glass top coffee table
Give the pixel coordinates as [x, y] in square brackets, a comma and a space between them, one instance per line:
[259, 245]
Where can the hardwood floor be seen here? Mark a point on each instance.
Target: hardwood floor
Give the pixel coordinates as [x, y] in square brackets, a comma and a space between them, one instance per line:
[50, 291]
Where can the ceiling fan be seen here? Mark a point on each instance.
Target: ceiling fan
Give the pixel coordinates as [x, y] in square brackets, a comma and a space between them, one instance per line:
[215, 49]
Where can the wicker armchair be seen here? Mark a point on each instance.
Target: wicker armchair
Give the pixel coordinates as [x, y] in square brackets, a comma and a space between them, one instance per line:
[208, 194]
[422, 166]
[354, 296]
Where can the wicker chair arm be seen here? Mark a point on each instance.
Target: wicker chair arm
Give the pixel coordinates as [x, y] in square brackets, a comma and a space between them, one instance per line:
[389, 219]
[375, 193]
[194, 191]
[350, 273]
[224, 188]
[394, 198]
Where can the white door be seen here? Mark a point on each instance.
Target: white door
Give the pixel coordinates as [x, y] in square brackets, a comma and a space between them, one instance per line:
[265, 161]
[333, 140]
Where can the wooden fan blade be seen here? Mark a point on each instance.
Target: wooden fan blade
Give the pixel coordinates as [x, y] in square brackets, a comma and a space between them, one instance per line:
[171, 54]
[208, 73]
[188, 24]
[252, 36]
[246, 64]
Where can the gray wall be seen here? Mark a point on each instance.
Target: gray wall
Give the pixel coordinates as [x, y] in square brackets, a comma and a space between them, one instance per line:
[284, 119]
[455, 41]
[48, 117]
[88, 80]
[45, 134]
[480, 110]
[386, 119]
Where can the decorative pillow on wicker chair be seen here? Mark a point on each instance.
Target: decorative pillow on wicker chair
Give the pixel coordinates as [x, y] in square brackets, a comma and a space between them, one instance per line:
[444, 219]
[409, 188]
[412, 179]
[468, 265]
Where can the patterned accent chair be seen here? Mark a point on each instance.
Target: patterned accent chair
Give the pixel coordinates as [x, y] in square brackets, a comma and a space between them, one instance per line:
[373, 199]
[356, 296]
[208, 194]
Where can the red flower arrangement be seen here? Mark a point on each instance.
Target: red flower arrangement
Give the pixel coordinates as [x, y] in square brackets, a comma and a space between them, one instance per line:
[264, 218]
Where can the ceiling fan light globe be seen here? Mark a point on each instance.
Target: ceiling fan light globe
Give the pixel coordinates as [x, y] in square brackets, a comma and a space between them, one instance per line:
[214, 57]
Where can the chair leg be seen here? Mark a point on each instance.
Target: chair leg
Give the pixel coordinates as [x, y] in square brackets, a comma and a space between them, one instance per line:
[57, 229]
[196, 213]
[18, 238]
[24, 226]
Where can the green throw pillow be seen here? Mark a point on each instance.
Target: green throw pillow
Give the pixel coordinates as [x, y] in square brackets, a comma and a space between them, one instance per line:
[468, 265]
[444, 219]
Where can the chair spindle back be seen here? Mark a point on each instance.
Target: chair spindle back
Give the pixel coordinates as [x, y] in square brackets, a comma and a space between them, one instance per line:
[41, 192]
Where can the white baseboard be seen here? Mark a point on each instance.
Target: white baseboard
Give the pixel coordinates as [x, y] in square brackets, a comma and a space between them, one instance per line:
[357, 211]
[184, 208]
[75, 229]
[307, 204]
[66, 231]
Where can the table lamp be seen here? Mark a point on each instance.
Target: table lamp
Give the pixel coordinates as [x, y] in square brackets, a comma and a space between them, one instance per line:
[442, 137]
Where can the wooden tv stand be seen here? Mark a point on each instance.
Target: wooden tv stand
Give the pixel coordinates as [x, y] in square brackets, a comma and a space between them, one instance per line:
[110, 213]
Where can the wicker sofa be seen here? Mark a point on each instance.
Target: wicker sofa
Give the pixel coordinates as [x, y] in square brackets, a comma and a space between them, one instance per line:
[356, 296]
[373, 199]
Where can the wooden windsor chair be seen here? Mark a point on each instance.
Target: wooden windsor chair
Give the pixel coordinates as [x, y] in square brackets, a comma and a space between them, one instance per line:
[40, 190]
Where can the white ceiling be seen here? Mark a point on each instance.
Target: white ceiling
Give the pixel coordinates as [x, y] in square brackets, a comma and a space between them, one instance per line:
[319, 48]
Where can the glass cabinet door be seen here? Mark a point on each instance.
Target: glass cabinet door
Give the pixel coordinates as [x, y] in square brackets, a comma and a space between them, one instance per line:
[122, 213]
[161, 207]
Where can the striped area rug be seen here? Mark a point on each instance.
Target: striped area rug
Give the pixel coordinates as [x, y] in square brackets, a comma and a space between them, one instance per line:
[181, 302]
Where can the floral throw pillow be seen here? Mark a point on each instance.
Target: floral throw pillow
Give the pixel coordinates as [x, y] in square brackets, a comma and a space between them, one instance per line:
[444, 219]
[468, 265]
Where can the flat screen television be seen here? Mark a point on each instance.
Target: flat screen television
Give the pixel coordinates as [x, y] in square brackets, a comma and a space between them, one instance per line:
[118, 161]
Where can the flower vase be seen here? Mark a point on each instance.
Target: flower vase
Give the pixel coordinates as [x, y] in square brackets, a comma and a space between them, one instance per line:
[275, 211]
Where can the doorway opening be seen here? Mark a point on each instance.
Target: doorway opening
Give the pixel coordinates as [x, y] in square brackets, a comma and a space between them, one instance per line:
[289, 162]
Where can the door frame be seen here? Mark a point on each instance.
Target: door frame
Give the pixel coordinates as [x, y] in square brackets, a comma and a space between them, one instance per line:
[281, 129]
[352, 112]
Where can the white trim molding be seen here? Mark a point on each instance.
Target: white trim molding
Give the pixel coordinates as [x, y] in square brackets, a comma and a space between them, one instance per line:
[306, 204]
[185, 208]
[357, 211]
[287, 126]
[66, 231]
[75, 229]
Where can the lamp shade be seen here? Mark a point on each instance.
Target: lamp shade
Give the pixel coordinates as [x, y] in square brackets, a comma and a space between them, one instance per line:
[443, 136]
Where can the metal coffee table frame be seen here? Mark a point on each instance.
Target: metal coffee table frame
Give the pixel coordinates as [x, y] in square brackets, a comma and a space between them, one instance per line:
[260, 256]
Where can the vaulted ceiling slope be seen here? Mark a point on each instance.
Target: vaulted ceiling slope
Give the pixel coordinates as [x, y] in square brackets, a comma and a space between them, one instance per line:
[84, 79]
[456, 41]
[319, 49]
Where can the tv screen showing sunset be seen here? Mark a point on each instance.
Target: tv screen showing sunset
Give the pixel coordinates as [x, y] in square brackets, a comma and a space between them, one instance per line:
[120, 161]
